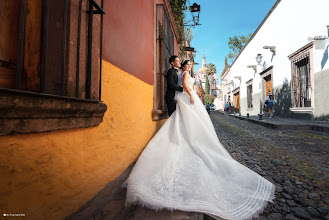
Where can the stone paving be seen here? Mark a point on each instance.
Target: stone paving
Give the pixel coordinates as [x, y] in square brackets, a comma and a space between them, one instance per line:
[286, 123]
[296, 161]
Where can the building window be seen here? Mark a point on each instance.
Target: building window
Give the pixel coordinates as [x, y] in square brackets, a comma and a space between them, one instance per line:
[164, 49]
[249, 96]
[301, 83]
[58, 50]
[55, 54]
[301, 87]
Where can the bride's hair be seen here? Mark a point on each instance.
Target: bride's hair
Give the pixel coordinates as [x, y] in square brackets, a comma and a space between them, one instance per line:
[184, 63]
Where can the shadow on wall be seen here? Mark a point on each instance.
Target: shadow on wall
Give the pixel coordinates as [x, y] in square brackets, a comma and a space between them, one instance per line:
[158, 124]
[282, 98]
[325, 57]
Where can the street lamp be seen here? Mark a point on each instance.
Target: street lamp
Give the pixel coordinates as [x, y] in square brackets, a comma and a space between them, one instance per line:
[195, 11]
[259, 58]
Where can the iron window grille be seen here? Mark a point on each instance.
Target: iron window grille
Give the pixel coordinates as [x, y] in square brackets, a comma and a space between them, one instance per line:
[300, 82]
[93, 9]
[249, 96]
[164, 49]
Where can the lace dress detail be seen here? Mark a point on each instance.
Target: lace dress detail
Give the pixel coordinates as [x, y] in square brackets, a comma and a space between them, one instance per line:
[185, 167]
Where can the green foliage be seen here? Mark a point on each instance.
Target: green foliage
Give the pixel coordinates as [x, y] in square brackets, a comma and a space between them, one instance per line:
[208, 99]
[226, 67]
[236, 44]
[210, 68]
[207, 86]
[178, 7]
[188, 35]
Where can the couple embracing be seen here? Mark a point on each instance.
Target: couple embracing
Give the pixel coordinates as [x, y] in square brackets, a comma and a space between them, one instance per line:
[176, 82]
[185, 167]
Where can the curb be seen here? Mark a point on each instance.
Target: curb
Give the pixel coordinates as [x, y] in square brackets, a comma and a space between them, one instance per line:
[311, 127]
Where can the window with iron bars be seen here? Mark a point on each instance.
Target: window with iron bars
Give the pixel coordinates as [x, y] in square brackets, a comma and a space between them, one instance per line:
[50, 65]
[164, 49]
[249, 96]
[301, 82]
[56, 47]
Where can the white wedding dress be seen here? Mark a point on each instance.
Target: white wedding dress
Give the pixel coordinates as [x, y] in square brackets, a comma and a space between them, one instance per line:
[185, 167]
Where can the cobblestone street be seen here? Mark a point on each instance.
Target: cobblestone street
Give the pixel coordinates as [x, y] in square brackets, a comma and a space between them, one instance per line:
[297, 162]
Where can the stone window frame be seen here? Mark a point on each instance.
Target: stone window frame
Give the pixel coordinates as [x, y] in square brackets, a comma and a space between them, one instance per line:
[248, 84]
[159, 80]
[305, 52]
[23, 112]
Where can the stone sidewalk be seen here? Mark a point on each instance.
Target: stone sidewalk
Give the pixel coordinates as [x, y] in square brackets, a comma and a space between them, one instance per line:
[285, 123]
[109, 204]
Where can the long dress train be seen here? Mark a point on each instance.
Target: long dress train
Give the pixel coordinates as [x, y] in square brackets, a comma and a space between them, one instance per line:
[185, 167]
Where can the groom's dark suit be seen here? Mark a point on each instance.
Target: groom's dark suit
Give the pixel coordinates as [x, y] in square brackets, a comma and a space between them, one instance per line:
[172, 86]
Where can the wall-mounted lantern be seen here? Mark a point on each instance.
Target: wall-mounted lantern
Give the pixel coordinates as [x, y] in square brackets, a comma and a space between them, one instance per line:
[195, 11]
[259, 58]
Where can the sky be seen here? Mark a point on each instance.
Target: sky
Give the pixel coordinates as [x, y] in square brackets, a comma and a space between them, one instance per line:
[221, 19]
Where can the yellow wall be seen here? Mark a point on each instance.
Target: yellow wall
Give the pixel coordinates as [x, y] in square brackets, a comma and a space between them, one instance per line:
[51, 175]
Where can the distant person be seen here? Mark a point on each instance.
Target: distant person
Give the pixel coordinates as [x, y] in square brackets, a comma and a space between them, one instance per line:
[227, 107]
[208, 108]
[269, 101]
[230, 107]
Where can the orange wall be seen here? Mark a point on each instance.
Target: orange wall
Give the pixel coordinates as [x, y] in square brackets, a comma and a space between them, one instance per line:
[51, 175]
[128, 36]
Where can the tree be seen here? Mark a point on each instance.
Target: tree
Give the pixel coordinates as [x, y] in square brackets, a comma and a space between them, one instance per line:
[208, 99]
[236, 44]
[207, 86]
[226, 67]
[210, 68]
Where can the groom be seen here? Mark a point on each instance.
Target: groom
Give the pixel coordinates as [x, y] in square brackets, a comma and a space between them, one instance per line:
[172, 86]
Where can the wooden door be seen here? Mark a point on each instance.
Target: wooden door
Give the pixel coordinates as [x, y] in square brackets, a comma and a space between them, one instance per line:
[237, 102]
[268, 82]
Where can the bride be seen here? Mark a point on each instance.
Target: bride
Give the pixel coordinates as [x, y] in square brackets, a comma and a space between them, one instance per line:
[185, 167]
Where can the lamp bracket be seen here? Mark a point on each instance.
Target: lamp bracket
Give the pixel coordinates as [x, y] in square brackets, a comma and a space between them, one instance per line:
[254, 67]
[272, 49]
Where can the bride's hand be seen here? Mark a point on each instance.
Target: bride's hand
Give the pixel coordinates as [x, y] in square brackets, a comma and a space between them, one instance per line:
[192, 100]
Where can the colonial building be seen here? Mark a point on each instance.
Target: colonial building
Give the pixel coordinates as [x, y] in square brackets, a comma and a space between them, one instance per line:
[226, 87]
[201, 77]
[290, 61]
[82, 87]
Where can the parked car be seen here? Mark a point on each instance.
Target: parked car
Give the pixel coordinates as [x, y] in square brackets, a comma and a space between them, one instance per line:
[212, 107]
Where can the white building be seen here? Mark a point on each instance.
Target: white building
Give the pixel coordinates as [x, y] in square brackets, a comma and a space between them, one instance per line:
[292, 42]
